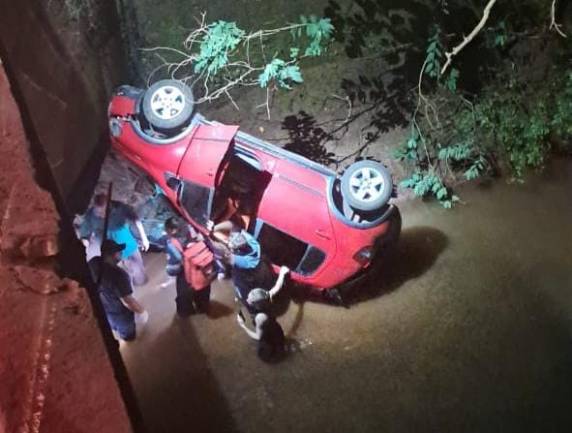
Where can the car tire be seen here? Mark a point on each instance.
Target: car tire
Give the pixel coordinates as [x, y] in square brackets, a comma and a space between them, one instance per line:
[168, 105]
[366, 185]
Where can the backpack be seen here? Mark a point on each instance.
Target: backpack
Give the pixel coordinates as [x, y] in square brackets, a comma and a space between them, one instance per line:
[198, 264]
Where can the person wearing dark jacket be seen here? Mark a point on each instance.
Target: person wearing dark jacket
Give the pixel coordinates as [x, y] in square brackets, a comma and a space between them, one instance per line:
[115, 291]
[249, 268]
[267, 331]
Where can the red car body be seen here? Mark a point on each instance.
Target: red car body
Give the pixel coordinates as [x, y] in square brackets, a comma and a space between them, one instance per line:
[298, 219]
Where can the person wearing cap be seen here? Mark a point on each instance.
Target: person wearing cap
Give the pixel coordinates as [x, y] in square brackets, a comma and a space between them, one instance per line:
[121, 218]
[115, 291]
[267, 331]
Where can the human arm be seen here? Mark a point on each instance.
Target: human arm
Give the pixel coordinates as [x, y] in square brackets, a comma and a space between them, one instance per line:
[84, 226]
[174, 253]
[219, 231]
[132, 304]
[223, 226]
[126, 212]
[142, 234]
[124, 290]
[258, 320]
[279, 282]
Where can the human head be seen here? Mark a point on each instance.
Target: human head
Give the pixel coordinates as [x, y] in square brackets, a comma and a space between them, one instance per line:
[258, 298]
[100, 204]
[172, 226]
[111, 250]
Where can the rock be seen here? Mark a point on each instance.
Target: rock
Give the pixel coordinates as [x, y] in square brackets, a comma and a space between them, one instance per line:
[39, 247]
[37, 280]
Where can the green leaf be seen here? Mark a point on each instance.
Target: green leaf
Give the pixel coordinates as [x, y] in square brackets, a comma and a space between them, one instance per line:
[290, 73]
[451, 81]
[412, 143]
[221, 38]
[442, 193]
[270, 72]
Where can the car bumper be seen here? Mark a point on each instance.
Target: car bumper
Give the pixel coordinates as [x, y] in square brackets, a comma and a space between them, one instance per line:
[384, 245]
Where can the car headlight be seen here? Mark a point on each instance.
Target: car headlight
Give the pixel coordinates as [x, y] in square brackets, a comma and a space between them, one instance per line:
[364, 255]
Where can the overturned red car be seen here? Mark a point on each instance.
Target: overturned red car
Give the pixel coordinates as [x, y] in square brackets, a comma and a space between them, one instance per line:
[328, 229]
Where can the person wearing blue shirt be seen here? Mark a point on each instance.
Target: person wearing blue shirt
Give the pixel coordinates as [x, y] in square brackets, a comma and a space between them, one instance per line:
[121, 220]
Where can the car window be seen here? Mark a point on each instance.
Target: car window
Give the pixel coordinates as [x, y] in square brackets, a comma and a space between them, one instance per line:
[281, 248]
[196, 199]
[312, 260]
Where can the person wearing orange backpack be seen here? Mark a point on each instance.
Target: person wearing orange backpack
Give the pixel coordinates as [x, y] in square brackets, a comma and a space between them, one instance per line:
[191, 261]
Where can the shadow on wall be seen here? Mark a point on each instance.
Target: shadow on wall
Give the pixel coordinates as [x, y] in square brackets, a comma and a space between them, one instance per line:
[416, 251]
[175, 387]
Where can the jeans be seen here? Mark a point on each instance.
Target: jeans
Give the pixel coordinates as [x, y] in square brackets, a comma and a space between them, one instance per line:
[188, 300]
[123, 324]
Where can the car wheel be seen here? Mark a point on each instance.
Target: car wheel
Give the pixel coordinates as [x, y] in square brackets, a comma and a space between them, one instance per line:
[366, 185]
[168, 105]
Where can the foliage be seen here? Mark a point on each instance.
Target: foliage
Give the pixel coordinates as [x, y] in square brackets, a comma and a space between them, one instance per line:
[221, 56]
[220, 40]
[317, 31]
[424, 183]
[508, 125]
[434, 53]
[281, 72]
[561, 120]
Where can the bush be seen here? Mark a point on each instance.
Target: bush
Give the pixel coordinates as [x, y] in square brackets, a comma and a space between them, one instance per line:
[509, 125]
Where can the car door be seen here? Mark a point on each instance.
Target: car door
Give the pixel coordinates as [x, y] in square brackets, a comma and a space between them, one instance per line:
[284, 249]
[200, 169]
[294, 224]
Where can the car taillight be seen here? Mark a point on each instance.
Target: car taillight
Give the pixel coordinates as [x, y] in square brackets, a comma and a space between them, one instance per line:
[364, 255]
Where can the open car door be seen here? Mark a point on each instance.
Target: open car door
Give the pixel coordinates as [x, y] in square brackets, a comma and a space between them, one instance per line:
[199, 169]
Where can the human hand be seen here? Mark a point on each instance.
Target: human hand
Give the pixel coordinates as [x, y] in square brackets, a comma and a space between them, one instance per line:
[240, 319]
[142, 318]
[145, 244]
[210, 225]
[284, 270]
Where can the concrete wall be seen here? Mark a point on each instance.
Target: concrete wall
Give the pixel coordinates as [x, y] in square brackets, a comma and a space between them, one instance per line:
[55, 372]
[64, 57]
[59, 371]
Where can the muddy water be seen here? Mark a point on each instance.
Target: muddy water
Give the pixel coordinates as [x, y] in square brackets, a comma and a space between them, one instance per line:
[470, 331]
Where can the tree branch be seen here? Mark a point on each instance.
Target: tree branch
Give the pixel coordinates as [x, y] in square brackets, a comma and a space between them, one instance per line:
[553, 24]
[469, 38]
